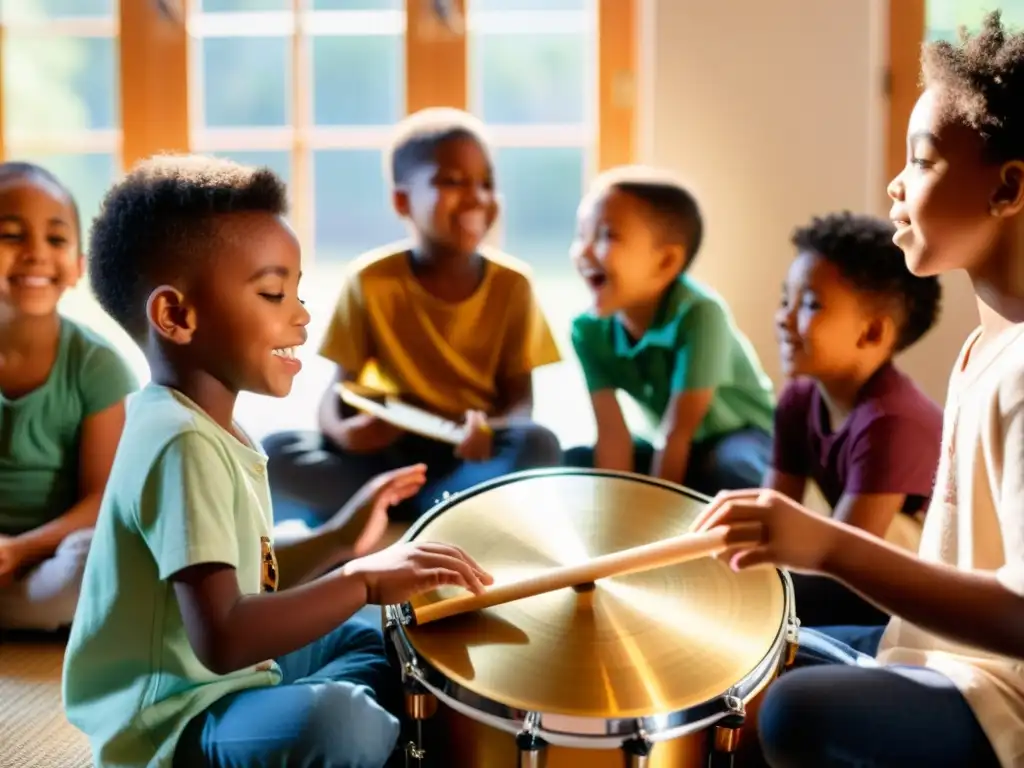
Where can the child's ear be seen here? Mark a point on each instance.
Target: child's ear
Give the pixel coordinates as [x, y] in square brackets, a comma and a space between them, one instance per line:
[1008, 199]
[400, 201]
[170, 315]
[673, 258]
[879, 331]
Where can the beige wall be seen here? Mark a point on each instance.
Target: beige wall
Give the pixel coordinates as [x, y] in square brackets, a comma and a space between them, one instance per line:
[775, 111]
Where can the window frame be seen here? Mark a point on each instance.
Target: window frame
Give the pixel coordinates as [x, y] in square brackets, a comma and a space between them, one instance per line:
[157, 97]
[907, 30]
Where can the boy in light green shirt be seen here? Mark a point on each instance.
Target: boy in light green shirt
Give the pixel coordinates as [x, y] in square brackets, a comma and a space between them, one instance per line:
[183, 652]
[669, 343]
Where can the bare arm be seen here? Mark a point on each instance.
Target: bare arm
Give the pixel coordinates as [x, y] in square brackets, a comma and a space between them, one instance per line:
[614, 449]
[229, 631]
[682, 419]
[359, 433]
[101, 433]
[969, 607]
[793, 486]
[516, 397]
[871, 512]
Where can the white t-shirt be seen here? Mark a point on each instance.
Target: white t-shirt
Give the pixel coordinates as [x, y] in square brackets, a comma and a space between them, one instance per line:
[976, 523]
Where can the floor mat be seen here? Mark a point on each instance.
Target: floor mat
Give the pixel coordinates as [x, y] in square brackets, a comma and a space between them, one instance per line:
[33, 730]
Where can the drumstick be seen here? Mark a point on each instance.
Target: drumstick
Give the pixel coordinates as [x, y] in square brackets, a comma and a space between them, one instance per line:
[646, 557]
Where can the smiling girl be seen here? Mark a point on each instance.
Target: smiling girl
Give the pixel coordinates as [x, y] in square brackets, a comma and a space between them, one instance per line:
[62, 391]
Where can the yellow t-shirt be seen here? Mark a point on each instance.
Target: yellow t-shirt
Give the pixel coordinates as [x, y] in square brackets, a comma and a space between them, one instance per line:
[976, 523]
[448, 357]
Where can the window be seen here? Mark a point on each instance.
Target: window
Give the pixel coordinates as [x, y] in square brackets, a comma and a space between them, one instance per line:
[312, 88]
[943, 18]
[60, 86]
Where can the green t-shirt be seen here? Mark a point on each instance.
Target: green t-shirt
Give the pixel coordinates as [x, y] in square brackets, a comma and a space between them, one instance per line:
[692, 344]
[40, 432]
[183, 491]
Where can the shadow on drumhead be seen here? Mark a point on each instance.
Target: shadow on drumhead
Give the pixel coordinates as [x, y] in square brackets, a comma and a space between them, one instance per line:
[451, 639]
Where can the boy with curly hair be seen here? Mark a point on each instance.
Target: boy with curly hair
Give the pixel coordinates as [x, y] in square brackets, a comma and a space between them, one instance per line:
[942, 684]
[849, 420]
[183, 650]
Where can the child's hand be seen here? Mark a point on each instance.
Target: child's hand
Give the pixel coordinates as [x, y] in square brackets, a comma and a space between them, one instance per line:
[11, 559]
[476, 445]
[364, 433]
[387, 490]
[792, 536]
[395, 574]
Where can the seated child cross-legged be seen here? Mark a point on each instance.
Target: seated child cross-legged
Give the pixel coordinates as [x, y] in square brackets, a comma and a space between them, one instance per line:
[449, 324]
[849, 419]
[665, 340]
[62, 391]
[945, 688]
[183, 650]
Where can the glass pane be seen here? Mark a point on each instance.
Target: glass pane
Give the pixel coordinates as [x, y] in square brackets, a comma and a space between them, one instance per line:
[246, 81]
[87, 176]
[541, 189]
[52, 9]
[358, 80]
[481, 6]
[353, 213]
[528, 80]
[358, 5]
[943, 18]
[222, 6]
[59, 84]
[278, 161]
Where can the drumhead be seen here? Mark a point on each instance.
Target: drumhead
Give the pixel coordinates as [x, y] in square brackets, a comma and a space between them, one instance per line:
[635, 646]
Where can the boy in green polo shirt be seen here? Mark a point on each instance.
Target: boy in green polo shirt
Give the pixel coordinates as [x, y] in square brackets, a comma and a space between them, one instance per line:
[183, 652]
[668, 342]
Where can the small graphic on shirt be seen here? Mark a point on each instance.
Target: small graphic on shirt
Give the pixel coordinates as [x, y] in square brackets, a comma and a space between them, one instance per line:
[268, 563]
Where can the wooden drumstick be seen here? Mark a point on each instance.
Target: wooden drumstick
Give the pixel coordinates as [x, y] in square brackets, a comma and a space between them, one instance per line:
[646, 557]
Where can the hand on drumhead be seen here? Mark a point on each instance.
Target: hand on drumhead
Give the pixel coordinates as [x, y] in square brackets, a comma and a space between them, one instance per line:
[791, 535]
[477, 444]
[399, 572]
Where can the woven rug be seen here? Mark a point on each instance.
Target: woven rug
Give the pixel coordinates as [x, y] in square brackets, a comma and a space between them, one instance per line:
[33, 730]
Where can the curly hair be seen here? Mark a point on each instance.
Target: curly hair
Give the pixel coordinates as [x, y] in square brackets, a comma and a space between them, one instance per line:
[670, 204]
[862, 249]
[160, 219]
[17, 169]
[418, 136]
[982, 84]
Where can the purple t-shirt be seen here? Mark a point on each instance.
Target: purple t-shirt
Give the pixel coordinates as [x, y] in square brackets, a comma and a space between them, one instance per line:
[890, 442]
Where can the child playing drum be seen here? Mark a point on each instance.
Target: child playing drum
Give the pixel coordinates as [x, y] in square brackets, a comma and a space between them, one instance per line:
[950, 687]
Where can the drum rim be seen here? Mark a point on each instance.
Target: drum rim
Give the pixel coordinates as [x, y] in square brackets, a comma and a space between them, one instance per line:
[598, 732]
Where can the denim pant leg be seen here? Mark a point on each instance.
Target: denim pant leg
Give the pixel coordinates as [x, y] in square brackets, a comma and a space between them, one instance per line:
[515, 450]
[842, 711]
[328, 710]
[733, 462]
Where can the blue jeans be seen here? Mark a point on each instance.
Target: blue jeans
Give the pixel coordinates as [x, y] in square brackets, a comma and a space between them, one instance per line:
[328, 710]
[840, 710]
[310, 479]
[730, 462]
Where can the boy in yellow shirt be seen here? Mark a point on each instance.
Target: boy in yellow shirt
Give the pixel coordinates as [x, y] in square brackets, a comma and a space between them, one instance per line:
[448, 323]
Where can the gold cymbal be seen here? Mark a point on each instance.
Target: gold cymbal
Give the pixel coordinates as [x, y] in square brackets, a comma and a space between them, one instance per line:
[636, 645]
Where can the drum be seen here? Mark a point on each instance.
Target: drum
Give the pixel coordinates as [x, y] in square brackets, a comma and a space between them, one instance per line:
[655, 669]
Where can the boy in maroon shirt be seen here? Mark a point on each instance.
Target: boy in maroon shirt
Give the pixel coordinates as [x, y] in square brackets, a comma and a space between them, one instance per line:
[849, 419]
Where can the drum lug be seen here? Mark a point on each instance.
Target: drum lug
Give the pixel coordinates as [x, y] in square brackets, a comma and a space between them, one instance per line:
[792, 643]
[532, 748]
[729, 728]
[637, 751]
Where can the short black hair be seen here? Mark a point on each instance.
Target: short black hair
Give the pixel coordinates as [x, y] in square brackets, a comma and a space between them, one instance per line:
[19, 169]
[670, 204]
[418, 136]
[862, 249]
[982, 84]
[158, 221]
